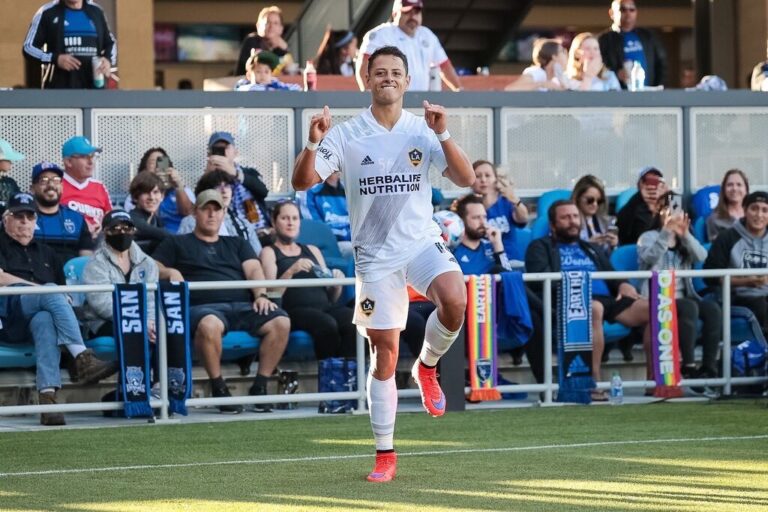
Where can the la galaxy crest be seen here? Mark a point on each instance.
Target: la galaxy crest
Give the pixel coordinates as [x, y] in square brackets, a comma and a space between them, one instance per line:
[366, 306]
[415, 157]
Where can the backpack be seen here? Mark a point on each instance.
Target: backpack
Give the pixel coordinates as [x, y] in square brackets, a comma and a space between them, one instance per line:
[749, 359]
[336, 374]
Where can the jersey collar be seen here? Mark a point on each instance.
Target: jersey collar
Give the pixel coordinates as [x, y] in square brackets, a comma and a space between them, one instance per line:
[72, 181]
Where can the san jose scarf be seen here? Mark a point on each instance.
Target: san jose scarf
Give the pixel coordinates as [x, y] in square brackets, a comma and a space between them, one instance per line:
[664, 336]
[173, 298]
[129, 306]
[481, 338]
[574, 335]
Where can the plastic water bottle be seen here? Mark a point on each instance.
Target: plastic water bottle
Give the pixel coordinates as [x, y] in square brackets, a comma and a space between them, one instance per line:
[637, 77]
[617, 389]
[98, 76]
[71, 279]
[435, 82]
[310, 77]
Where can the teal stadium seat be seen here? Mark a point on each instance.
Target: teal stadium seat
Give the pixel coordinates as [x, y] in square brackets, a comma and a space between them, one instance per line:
[623, 258]
[623, 198]
[547, 198]
[700, 229]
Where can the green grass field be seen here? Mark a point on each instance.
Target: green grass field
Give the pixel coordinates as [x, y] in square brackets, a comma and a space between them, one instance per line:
[693, 457]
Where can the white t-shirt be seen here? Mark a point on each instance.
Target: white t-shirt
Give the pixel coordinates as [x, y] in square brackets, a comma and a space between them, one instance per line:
[423, 50]
[386, 180]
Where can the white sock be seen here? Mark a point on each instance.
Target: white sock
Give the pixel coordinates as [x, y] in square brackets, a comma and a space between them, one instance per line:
[437, 340]
[382, 407]
[75, 349]
[47, 390]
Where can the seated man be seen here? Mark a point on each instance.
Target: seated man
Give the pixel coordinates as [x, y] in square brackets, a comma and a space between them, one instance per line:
[612, 300]
[49, 317]
[203, 255]
[80, 192]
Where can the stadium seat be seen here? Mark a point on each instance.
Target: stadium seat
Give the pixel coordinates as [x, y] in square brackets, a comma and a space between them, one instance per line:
[523, 238]
[700, 229]
[17, 356]
[540, 227]
[623, 198]
[705, 200]
[238, 344]
[547, 198]
[622, 258]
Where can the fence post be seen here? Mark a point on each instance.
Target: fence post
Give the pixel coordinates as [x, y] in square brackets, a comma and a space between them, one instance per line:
[162, 363]
[547, 323]
[452, 373]
[727, 333]
[362, 377]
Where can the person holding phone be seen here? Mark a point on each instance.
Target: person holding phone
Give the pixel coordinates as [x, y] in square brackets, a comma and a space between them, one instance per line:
[640, 214]
[178, 200]
[596, 226]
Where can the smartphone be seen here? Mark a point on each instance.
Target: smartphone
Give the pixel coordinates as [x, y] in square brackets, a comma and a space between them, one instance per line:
[162, 164]
[612, 230]
[218, 150]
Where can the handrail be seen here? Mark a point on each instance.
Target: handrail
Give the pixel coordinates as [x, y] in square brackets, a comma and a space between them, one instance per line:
[548, 387]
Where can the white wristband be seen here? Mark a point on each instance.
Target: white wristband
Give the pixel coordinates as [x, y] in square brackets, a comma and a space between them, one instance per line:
[442, 137]
[312, 146]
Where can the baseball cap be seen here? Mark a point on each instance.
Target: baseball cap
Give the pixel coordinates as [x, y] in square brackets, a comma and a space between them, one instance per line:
[406, 5]
[711, 83]
[264, 57]
[219, 136]
[755, 197]
[115, 217]
[42, 167]
[209, 196]
[22, 202]
[8, 153]
[78, 146]
[648, 169]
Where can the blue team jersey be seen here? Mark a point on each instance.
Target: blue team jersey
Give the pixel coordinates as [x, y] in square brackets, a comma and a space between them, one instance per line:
[328, 204]
[475, 261]
[572, 257]
[633, 50]
[65, 231]
[168, 212]
[80, 37]
[500, 216]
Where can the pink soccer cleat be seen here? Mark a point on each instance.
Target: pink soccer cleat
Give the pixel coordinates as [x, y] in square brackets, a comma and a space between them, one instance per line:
[432, 396]
[385, 468]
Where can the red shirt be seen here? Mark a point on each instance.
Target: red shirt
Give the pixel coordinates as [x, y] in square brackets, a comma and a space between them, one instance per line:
[90, 198]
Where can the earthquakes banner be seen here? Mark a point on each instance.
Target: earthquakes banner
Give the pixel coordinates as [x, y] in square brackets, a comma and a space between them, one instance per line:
[664, 335]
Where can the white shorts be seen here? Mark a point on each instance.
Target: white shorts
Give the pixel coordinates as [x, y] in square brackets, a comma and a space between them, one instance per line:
[383, 304]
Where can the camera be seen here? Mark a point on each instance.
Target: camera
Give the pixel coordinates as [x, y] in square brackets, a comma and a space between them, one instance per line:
[218, 150]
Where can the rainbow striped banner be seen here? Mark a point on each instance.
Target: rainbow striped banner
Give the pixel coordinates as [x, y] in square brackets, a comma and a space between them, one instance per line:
[664, 335]
[481, 338]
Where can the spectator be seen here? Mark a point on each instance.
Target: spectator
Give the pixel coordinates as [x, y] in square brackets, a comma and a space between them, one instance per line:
[625, 43]
[733, 189]
[612, 300]
[506, 212]
[673, 247]
[203, 255]
[178, 199]
[336, 54]
[327, 203]
[8, 186]
[268, 36]
[759, 75]
[640, 214]
[586, 70]
[117, 260]
[65, 37]
[420, 45]
[745, 245]
[49, 318]
[62, 229]
[596, 226]
[80, 191]
[232, 225]
[548, 70]
[146, 190]
[249, 193]
[311, 309]
[258, 74]
[480, 250]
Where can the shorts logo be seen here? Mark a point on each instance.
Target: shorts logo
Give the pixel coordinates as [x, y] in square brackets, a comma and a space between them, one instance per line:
[415, 157]
[367, 305]
[367, 161]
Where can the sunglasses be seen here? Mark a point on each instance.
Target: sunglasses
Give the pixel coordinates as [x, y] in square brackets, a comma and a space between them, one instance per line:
[124, 229]
[592, 200]
[52, 180]
[24, 215]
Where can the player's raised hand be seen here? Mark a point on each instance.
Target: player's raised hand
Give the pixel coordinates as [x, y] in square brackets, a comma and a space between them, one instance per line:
[319, 125]
[436, 117]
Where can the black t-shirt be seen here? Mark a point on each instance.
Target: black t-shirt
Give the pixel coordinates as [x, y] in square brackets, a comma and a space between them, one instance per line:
[208, 261]
[35, 262]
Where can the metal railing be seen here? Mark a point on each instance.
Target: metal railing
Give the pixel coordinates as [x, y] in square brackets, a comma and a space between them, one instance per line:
[547, 387]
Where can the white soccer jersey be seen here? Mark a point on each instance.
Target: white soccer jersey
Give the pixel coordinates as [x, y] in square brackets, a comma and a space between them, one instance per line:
[422, 50]
[386, 180]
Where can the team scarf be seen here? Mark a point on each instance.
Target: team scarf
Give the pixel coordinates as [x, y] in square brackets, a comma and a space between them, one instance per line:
[664, 335]
[173, 298]
[481, 338]
[574, 335]
[129, 306]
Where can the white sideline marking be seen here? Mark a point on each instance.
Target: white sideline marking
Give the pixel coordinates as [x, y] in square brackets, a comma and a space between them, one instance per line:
[399, 454]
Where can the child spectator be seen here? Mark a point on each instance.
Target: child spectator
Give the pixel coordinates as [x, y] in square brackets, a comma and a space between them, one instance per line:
[258, 74]
[147, 192]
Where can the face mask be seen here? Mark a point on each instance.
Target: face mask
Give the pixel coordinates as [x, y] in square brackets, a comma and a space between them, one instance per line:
[119, 242]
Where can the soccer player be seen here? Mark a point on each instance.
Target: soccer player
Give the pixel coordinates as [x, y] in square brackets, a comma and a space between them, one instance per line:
[384, 155]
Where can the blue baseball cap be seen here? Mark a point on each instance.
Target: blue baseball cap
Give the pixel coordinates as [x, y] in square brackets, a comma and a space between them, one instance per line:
[78, 146]
[8, 153]
[42, 167]
[219, 136]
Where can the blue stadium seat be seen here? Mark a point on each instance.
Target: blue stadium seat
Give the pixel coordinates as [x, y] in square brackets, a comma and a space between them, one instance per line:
[237, 344]
[700, 229]
[705, 200]
[622, 258]
[540, 227]
[523, 238]
[623, 198]
[547, 198]
[17, 356]
[318, 233]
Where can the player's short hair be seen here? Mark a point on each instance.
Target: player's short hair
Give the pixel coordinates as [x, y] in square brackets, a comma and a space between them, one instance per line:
[552, 212]
[388, 50]
[461, 205]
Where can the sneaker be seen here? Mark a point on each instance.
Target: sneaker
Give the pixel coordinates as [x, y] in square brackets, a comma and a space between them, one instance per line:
[385, 468]
[690, 372]
[258, 389]
[220, 389]
[432, 397]
[90, 369]
[50, 418]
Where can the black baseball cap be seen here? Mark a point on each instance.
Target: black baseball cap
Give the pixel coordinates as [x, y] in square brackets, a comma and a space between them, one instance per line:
[22, 202]
[755, 197]
[115, 217]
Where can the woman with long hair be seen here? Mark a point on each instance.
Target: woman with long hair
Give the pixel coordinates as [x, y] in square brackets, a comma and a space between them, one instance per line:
[547, 73]
[596, 225]
[733, 190]
[586, 68]
[336, 54]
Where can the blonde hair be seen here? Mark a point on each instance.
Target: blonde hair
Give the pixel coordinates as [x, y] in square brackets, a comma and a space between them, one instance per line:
[575, 69]
[265, 12]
